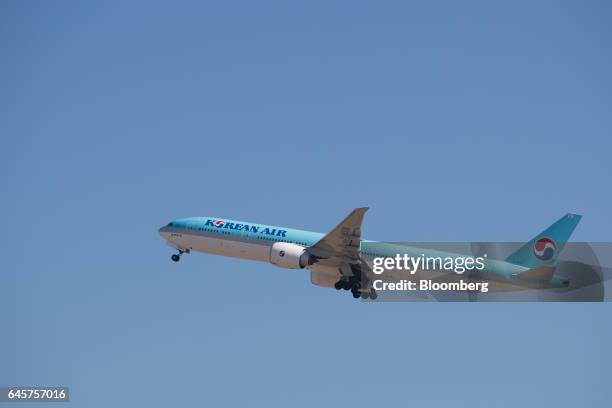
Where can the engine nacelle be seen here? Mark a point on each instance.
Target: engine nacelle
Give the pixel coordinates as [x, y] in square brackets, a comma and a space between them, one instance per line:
[292, 256]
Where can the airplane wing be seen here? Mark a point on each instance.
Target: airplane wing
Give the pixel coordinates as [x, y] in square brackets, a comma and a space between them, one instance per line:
[342, 244]
[339, 263]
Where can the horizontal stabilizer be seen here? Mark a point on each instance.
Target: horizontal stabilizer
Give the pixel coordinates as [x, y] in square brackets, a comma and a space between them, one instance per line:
[539, 274]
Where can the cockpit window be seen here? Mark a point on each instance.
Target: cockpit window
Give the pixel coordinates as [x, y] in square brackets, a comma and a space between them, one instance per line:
[170, 224]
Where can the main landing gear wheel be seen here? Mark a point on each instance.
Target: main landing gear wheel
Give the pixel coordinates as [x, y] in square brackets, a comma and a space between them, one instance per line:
[369, 294]
[343, 284]
[373, 294]
[356, 290]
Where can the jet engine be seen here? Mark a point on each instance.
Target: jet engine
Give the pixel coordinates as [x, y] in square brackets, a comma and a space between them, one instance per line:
[292, 256]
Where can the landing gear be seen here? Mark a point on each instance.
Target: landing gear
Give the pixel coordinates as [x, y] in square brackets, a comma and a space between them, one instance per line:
[373, 294]
[360, 288]
[343, 283]
[364, 294]
[356, 290]
[177, 257]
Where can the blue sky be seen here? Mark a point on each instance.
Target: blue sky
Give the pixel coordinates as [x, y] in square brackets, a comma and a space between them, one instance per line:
[452, 121]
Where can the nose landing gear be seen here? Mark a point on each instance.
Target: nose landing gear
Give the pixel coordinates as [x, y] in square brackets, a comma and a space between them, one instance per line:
[177, 257]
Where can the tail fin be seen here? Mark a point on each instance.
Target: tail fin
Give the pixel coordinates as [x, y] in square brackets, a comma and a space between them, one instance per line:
[546, 246]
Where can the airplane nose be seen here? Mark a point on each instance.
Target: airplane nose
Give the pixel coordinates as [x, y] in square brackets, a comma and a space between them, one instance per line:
[163, 232]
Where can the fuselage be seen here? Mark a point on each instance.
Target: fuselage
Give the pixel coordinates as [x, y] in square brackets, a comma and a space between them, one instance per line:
[246, 240]
[232, 238]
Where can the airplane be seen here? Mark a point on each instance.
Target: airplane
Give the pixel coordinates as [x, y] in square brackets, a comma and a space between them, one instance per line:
[342, 260]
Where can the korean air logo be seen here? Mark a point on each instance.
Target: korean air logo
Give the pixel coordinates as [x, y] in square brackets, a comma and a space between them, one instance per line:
[544, 248]
[281, 253]
[218, 223]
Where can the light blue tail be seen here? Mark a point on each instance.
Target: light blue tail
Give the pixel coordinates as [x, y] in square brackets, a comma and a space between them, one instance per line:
[546, 246]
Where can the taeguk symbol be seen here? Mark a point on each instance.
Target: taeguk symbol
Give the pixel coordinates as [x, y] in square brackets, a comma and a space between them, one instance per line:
[544, 248]
[218, 223]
